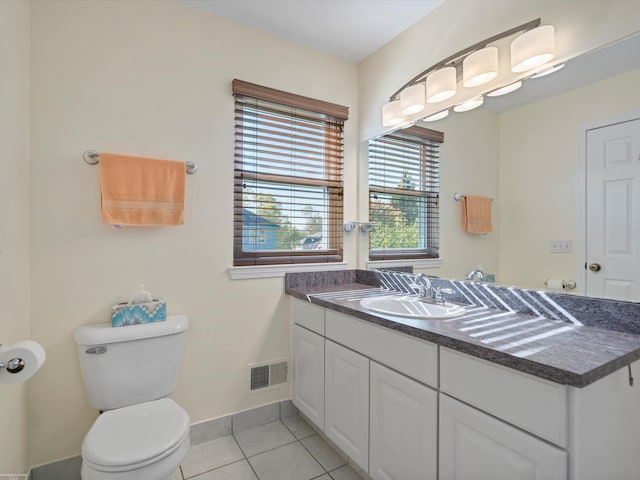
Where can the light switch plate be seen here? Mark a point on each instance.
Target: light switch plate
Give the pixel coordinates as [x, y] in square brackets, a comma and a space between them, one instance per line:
[561, 246]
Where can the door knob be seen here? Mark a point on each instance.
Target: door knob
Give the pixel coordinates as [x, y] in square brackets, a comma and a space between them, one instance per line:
[595, 267]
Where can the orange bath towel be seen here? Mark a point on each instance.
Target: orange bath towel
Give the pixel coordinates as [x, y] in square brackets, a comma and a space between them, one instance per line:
[477, 214]
[140, 191]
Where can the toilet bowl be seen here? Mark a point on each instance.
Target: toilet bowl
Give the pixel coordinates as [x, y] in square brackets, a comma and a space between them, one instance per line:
[145, 441]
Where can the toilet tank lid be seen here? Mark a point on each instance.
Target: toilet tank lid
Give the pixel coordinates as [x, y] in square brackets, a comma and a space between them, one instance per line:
[104, 333]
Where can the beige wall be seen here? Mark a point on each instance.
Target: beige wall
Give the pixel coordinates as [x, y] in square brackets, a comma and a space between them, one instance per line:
[153, 78]
[540, 174]
[14, 223]
[468, 165]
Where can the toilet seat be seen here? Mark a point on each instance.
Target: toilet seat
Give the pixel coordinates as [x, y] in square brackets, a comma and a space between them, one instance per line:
[133, 437]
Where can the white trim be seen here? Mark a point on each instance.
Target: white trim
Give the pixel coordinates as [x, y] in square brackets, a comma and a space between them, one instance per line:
[581, 247]
[266, 271]
[426, 263]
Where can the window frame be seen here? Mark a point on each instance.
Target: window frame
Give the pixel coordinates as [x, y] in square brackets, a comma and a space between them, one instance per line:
[429, 142]
[302, 109]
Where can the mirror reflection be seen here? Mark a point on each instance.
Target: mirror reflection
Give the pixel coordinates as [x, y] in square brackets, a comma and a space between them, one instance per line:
[561, 158]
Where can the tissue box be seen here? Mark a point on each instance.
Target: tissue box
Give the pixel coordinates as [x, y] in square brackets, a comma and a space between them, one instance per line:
[125, 314]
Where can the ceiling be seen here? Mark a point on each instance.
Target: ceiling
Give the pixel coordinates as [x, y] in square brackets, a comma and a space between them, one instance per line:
[351, 29]
[354, 29]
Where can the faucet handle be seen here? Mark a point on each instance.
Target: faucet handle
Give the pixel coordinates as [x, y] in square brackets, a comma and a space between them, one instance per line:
[439, 297]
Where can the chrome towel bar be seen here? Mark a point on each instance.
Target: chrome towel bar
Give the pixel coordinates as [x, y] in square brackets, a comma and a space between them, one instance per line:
[91, 157]
[459, 196]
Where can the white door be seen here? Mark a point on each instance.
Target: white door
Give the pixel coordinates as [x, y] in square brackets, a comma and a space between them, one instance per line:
[475, 446]
[404, 427]
[347, 402]
[613, 211]
[308, 374]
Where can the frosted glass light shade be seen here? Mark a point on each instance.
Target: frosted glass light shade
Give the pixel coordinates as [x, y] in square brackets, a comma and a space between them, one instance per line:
[436, 116]
[480, 67]
[412, 99]
[533, 48]
[391, 114]
[470, 104]
[512, 87]
[441, 85]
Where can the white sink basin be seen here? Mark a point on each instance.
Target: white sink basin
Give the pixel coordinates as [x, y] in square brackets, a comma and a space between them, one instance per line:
[411, 307]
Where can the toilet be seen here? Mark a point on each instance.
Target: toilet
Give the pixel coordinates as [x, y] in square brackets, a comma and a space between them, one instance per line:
[127, 373]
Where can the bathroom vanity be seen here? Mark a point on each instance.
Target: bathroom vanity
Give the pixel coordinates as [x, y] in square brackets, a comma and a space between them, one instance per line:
[493, 394]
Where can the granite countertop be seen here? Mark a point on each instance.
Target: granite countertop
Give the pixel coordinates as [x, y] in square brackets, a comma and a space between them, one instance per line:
[555, 349]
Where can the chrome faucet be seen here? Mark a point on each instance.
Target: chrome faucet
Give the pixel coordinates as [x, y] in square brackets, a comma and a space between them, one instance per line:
[425, 286]
[429, 294]
[477, 273]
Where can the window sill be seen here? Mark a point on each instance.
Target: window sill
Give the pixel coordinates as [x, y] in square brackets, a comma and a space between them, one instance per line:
[415, 263]
[267, 271]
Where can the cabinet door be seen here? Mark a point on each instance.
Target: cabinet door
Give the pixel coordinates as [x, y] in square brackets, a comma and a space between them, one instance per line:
[347, 401]
[308, 374]
[404, 427]
[475, 446]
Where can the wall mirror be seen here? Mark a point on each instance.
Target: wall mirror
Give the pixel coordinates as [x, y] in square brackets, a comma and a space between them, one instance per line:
[533, 155]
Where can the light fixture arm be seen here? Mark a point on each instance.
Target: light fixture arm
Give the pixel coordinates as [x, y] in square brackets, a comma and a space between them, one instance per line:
[463, 53]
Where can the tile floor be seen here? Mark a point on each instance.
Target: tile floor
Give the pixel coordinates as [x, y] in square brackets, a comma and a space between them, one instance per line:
[288, 449]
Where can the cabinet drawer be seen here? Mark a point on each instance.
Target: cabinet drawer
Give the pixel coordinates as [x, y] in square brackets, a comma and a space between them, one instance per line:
[413, 357]
[534, 404]
[308, 315]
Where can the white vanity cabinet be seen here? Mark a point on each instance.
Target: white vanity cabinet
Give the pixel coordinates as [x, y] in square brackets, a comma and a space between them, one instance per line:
[308, 374]
[347, 401]
[403, 427]
[406, 409]
[380, 403]
[475, 446]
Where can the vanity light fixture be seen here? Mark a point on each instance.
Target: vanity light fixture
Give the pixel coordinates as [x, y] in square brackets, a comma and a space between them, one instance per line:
[531, 45]
[533, 48]
[436, 116]
[512, 87]
[480, 67]
[470, 104]
[412, 99]
[441, 85]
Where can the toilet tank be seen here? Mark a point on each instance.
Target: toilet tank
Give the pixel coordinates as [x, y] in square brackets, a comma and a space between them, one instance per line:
[127, 365]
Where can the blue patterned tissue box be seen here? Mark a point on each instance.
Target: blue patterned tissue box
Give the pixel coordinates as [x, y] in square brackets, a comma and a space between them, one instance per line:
[125, 314]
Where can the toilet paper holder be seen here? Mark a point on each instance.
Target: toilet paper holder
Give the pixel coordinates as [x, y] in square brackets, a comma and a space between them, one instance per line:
[14, 365]
[565, 284]
[20, 361]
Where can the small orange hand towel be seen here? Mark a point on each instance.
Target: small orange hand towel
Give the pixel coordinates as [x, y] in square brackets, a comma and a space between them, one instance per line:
[140, 191]
[477, 214]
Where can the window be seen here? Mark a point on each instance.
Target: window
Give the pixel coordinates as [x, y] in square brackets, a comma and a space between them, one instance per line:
[404, 190]
[288, 185]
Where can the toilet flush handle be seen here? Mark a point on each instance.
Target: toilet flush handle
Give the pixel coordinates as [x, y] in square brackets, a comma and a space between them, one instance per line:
[96, 350]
